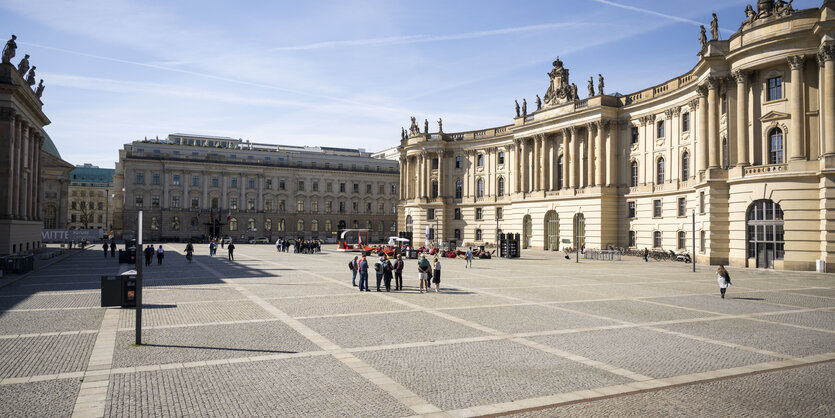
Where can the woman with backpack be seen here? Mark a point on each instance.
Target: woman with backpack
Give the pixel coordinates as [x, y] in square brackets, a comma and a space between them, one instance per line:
[724, 280]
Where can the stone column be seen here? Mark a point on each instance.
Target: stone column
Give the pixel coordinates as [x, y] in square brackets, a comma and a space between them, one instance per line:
[575, 160]
[536, 141]
[12, 180]
[37, 183]
[701, 138]
[401, 189]
[517, 164]
[524, 168]
[165, 201]
[796, 151]
[827, 54]
[204, 178]
[24, 165]
[552, 161]
[441, 174]
[566, 154]
[741, 78]
[598, 147]
[543, 162]
[223, 194]
[611, 157]
[259, 204]
[18, 192]
[713, 122]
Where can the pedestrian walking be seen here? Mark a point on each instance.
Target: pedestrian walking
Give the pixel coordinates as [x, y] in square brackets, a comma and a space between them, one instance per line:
[355, 268]
[398, 273]
[436, 275]
[278, 246]
[387, 274]
[149, 254]
[112, 249]
[469, 258]
[160, 254]
[364, 274]
[221, 244]
[212, 248]
[231, 248]
[423, 272]
[646, 255]
[378, 271]
[724, 280]
[189, 251]
[105, 249]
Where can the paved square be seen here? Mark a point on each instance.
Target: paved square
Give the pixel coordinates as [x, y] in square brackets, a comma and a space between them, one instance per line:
[280, 334]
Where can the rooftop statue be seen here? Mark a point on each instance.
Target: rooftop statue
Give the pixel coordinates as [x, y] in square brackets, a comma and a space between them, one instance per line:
[23, 66]
[559, 91]
[714, 28]
[538, 103]
[39, 90]
[517, 107]
[440, 125]
[574, 94]
[9, 50]
[702, 36]
[426, 126]
[600, 84]
[413, 128]
[591, 86]
[524, 108]
[402, 133]
[30, 80]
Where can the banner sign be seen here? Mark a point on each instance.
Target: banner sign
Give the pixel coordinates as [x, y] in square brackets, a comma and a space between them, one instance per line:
[68, 235]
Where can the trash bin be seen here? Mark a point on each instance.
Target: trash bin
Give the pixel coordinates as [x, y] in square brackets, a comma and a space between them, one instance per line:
[128, 292]
[8, 265]
[111, 291]
[413, 254]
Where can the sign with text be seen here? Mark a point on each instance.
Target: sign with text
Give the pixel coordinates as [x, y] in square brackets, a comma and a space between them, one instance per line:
[68, 235]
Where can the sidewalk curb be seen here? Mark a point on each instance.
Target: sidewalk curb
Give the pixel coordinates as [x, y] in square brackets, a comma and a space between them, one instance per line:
[4, 282]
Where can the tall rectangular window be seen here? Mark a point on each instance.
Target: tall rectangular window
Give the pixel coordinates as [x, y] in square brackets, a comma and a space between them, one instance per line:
[701, 202]
[341, 187]
[175, 202]
[282, 206]
[251, 183]
[140, 201]
[140, 178]
[155, 202]
[682, 206]
[456, 214]
[480, 160]
[775, 88]
[368, 188]
[300, 205]
[315, 186]
[660, 128]
[634, 134]
[656, 208]
[175, 179]
[328, 206]
[195, 202]
[234, 182]
[356, 187]
[155, 178]
[499, 213]
[301, 185]
[630, 209]
[233, 203]
[682, 240]
[195, 180]
[281, 185]
[656, 239]
[268, 184]
[430, 213]
[314, 206]
[685, 122]
[632, 239]
[459, 162]
[250, 204]
[501, 157]
[478, 214]
[355, 206]
[268, 205]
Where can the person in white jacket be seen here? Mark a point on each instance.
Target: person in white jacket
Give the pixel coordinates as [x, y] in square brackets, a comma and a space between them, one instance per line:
[724, 280]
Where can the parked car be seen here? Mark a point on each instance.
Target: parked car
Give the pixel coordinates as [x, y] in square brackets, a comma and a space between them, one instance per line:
[260, 240]
[226, 239]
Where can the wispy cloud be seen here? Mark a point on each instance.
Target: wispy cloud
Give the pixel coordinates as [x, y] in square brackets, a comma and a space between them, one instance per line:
[656, 13]
[413, 39]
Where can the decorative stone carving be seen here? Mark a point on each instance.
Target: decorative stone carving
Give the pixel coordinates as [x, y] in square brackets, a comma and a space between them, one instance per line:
[559, 90]
[9, 50]
[827, 52]
[767, 9]
[39, 90]
[668, 113]
[440, 125]
[645, 120]
[693, 104]
[750, 14]
[702, 36]
[740, 76]
[676, 110]
[518, 114]
[524, 108]
[591, 86]
[714, 28]
[23, 66]
[413, 128]
[600, 84]
[574, 95]
[783, 8]
[30, 79]
[426, 126]
[796, 62]
[538, 103]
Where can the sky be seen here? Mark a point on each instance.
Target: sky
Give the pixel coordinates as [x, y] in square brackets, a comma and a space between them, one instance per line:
[333, 73]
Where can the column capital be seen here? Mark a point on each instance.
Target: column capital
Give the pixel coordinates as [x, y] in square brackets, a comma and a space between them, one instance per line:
[591, 125]
[648, 119]
[796, 62]
[741, 76]
[711, 83]
[826, 52]
[668, 113]
[604, 123]
[539, 137]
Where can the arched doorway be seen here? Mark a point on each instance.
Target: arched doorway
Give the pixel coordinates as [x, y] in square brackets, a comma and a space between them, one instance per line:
[579, 237]
[765, 233]
[527, 231]
[409, 223]
[341, 225]
[552, 231]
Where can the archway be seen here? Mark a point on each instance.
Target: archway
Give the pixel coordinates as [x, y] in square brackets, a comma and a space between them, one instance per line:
[765, 233]
[527, 231]
[552, 231]
[409, 223]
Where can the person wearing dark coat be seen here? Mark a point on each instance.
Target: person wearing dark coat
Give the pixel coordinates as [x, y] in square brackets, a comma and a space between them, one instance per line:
[149, 254]
[112, 248]
[105, 249]
[387, 274]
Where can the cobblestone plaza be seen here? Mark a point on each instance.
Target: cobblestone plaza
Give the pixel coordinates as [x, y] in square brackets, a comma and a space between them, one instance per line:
[281, 334]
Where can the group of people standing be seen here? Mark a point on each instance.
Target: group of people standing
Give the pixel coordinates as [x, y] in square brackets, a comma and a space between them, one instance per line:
[300, 246]
[386, 271]
[213, 249]
[149, 252]
[111, 246]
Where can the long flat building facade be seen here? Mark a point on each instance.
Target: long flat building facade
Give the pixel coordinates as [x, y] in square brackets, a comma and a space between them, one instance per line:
[744, 143]
[191, 186]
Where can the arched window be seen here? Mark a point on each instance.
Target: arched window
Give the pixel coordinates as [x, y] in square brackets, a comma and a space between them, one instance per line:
[250, 224]
[559, 173]
[341, 225]
[300, 225]
[279, 227]
[633, 171]
[50, 219]
[775, 146]
[410, 223]
[328, 225]
[459, 189]
[175, 223]
[685, 165]
[457, 234]
[500, 186]
[659, 171]
[368, 225]
[233, 224]
[314, 226]
[268, 224]
[480, 188]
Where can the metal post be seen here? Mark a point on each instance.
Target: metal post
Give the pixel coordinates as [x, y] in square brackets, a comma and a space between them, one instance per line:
[693, 259]
[139, 257]
[106, 210]
[576, 239]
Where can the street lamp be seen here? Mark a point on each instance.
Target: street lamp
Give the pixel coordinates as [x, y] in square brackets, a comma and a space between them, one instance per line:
[106, 210]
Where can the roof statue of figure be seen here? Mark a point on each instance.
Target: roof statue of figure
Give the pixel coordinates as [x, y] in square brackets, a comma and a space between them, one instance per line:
[538, 103]
[517, 108]
[702, 36]
[574, 95]
[591, 86]
[39, 90]
[714, 28]
[783, 8]
[413, 128]
[30, 79]
[402, 133]
[9, 50]
[750, 14]
[524, 108]
[440, 125]
[426, 126]
[600, 84]
[23, 66]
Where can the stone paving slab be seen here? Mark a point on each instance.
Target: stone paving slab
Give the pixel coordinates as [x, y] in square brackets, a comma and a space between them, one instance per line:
[759, 395]
[174, 314]
[191, 293]
[36, 322]
[391, 328]
[455, 376]
[311, 287]
[200, 343]
[355, 303]
[552, 294]
[829, 293]
[652, 353]
[51, 301]
[32, 356]
[714, 303]
[53, 398]
[316, 386]
[517, 319]
[448, 297]
[792, 341]
[634, 311]
[783, 298]
[813, 319]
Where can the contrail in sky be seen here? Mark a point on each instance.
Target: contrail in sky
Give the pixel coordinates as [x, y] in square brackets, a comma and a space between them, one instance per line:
[654, 13]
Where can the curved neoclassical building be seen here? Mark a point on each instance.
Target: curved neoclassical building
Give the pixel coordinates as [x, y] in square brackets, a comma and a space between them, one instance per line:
[744, 142]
